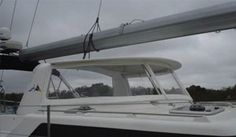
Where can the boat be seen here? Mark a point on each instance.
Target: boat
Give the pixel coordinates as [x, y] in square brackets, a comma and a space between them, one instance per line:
[119, 97]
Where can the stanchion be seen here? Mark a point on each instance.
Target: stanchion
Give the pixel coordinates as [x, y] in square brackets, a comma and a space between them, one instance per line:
[48, 122]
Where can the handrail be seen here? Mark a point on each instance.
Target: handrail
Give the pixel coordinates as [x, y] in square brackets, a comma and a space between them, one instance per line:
[121, 112]
[153, 102]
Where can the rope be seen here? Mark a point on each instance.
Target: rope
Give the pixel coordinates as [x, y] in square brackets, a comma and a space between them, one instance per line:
[13, 15]
[32, 24]
[99, 9]
[136, 20]
[123, 25]
[89, 36]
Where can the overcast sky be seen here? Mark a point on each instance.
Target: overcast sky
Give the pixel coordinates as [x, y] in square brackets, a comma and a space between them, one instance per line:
[207, 59]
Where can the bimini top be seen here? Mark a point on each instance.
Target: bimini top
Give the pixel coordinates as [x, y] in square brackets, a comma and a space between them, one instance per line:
[123, 65]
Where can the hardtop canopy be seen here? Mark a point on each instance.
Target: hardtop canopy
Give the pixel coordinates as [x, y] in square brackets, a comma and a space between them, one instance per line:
[126, 66]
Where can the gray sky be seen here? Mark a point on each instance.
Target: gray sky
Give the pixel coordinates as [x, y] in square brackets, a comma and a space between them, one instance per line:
[207, 59]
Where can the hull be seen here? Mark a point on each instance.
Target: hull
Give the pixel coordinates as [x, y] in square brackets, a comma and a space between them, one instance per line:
[58, 130]
[86, 124]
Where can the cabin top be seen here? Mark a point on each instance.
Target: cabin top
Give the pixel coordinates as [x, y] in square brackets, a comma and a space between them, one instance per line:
[161, 62]
[123, 66]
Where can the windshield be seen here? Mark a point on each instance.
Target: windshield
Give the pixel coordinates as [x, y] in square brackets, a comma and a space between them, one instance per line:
[168, 82]
[141, 86]
[95, 81]
[111, 81]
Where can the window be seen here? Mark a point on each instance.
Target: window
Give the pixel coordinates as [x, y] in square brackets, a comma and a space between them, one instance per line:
[123, 80]
[141, 86]
[59, 88]
[169, 84]
[72, 83]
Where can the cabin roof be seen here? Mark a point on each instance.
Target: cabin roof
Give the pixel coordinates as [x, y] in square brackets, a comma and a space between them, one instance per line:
[118, 64]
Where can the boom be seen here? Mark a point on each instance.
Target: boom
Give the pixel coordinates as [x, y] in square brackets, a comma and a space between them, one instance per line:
[214, 18]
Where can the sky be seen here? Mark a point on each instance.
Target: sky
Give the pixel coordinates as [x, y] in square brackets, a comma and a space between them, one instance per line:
[207, 59]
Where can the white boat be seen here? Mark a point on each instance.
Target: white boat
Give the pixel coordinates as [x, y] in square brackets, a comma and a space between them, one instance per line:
[126, 97]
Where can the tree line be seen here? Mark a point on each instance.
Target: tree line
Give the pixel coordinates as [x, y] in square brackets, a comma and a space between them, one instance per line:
[198, 93]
